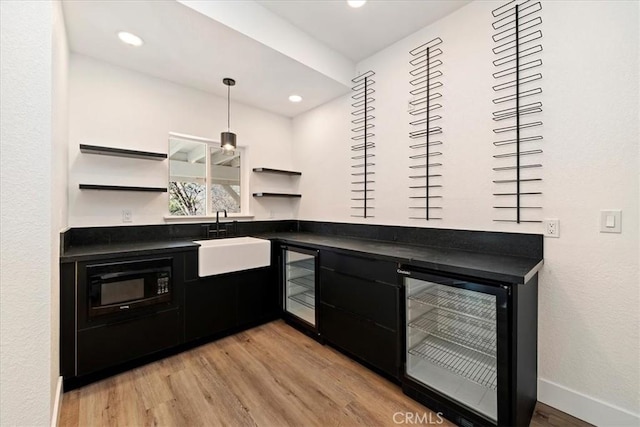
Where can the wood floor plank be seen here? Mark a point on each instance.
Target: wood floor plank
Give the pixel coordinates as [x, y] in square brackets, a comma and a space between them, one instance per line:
[193, 406]
[250, 392]
[93, 405]
[152, 385]
[229, 409]
[165, 414]
[545, 416]
[269, 376]
[286, 395]
[70, 410]
[312, 376]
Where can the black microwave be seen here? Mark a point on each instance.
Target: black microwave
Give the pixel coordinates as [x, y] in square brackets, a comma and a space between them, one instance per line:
[121, 287]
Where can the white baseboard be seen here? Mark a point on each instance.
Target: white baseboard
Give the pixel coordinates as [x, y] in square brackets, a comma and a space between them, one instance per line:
[586, 408]
[55, 415]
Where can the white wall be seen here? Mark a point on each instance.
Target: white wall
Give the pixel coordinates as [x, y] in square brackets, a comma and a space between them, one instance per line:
[26, 209]
[116, 107]
[59, 167]
[589, 344]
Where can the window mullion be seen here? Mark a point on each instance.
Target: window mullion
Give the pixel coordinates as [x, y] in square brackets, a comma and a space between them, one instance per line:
[209, 201]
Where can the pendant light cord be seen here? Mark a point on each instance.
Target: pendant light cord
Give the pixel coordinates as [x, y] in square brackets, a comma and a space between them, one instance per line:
[228, 108]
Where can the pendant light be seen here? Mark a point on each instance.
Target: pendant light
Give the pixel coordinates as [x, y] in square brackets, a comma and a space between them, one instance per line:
[228, 138]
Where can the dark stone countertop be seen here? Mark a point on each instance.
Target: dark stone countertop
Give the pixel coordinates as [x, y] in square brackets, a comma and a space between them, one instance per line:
[115, 250]
[502, 268]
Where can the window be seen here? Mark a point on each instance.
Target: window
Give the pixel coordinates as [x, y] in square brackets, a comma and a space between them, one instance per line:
[203, 178]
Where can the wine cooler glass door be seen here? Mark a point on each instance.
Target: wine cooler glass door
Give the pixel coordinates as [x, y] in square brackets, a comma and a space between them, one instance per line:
[300, 285]
[451, 343]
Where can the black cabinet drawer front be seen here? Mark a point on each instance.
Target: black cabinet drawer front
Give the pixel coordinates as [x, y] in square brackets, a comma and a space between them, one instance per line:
[373, 300]
[107, 346]
[362, 338]
[367, 268]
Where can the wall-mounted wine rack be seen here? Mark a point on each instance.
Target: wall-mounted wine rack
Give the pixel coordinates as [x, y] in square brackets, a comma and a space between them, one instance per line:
[363, 145]
[425, 176]
[518, 48]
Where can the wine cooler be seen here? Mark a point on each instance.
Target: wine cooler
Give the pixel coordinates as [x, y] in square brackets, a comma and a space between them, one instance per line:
[459, 352]
[299, 269]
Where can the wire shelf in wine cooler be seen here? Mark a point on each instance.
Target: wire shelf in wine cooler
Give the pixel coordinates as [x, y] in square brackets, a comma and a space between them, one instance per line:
[307, 263]
[470, 364]
[476, 334]
[295, 271]
[308, 281]
[462, 301]
[306, 298]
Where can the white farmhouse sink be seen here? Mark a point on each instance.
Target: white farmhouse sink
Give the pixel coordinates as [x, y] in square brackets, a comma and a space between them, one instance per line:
[233, 254]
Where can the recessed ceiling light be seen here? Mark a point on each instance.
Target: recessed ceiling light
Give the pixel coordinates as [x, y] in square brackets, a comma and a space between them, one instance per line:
[356, 3]
[295, 98]
[130, 39]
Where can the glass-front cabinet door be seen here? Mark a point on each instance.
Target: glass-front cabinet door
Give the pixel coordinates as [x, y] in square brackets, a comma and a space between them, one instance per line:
[299, 276]
[451, 342]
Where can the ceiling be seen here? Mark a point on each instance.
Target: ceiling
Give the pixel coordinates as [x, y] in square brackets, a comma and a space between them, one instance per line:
[359, 33]
[271, 48]
[186, 47]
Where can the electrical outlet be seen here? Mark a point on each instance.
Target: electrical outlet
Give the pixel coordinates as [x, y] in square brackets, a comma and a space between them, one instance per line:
[127, 215]
[552, 227]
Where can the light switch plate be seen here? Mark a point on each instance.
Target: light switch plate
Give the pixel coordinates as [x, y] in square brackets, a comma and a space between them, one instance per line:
[611, 221]
[127, 215]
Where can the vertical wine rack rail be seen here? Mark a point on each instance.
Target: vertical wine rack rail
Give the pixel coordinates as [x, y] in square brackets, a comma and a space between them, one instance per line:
[426, 179]
[518, 48]
[363, 146]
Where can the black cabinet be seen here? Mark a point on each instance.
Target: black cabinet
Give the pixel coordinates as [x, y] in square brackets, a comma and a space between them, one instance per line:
[359, 310]
[199, 308]
[209, 306]
[360, 337]
[191, 266]
[95, 345]
[110, 345]
[257, 296]
[358, 266]
[220, 303]
[375, 301]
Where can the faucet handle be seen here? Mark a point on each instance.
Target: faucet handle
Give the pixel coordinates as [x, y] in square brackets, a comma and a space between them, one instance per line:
[231, 228]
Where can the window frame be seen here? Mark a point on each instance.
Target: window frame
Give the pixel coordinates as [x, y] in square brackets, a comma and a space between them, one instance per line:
[244, 183]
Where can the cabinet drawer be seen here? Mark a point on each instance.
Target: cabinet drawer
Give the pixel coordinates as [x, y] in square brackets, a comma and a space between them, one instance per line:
[382, 271]
[362, 338]
[373, 300]
[110, 345]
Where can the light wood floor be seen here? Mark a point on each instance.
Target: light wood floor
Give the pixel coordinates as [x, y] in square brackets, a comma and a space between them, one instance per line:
[271, 375]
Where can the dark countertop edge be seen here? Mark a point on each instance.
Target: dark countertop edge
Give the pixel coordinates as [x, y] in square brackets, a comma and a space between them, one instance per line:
[482, 274]
[434, 266]
[88, 253]
[107, 251]
[533, 271]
